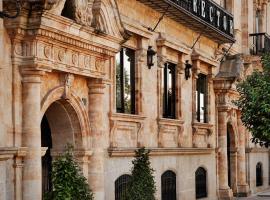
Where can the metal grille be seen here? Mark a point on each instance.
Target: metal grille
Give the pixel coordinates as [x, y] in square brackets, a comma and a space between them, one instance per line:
[121, 187]
[201, 190]
[168, 185]
[259, 175]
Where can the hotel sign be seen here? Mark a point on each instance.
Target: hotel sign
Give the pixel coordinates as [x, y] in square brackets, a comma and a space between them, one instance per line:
[210, 13]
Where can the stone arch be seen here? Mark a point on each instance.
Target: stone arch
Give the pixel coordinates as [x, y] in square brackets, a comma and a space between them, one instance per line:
[71, 109]
[232, 130]
[232, 150]
[106, 18]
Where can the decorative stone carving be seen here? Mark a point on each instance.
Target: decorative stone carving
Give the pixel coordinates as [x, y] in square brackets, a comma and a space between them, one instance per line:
[201, 134]
[74, 59]
[170, 133]
[61, 55]
[125, 130]
[47, 51]
[69, 78]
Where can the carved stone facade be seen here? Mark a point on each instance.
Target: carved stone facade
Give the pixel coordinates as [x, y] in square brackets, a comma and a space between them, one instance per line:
[57, 65]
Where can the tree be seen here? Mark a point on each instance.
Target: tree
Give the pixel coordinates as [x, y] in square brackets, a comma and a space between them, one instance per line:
[67, 180]
[142, 184]
[254, 103]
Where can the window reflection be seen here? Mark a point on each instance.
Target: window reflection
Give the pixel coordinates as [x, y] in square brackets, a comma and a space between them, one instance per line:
[201, 103]
[125, 81]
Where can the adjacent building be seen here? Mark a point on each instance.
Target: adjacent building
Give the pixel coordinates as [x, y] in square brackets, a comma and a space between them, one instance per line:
[110, 76]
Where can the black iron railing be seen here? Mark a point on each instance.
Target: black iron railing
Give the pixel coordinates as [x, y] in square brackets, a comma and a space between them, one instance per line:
[260, 43]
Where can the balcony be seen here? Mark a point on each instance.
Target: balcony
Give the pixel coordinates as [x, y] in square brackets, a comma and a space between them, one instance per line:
[260, 43]
[202, 16]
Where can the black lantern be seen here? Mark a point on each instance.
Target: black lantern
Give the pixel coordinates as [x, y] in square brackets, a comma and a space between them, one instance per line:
[187, 70]
[150, 57]
[18, 9]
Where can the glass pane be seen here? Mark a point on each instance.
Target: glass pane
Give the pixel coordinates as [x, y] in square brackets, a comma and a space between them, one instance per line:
[127, 79]
[169, 91]
[118, 82]
[202, 107]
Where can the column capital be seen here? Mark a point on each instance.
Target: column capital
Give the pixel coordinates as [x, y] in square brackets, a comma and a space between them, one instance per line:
[31, 75]
[96, 86]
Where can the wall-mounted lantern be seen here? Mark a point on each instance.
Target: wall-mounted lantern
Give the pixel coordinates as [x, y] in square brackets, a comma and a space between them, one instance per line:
[3, 14]
[150, 57]
[187, 70]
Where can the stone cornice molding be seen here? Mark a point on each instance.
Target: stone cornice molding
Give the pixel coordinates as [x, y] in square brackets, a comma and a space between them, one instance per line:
[96, 86]
[200, 56]
[11, 152]
[130, 152]
[172, 43]
[31, 75]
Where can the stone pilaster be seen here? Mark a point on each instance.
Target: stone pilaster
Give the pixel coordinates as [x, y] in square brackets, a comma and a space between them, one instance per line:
[31, 134]
[18, 170]
[224, 191]
[96, 118]
[242, 186]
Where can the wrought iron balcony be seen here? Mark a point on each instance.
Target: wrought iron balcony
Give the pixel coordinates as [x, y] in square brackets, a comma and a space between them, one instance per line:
[203, 16]
[260, 43]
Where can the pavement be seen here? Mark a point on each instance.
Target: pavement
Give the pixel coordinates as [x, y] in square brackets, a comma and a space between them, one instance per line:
[260, 196]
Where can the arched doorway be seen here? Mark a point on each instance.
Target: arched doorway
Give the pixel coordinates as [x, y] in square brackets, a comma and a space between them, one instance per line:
[232, 157]
[60, 126]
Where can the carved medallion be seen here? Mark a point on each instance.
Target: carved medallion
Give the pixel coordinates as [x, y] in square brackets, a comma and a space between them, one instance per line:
[86, 61]
[74, 59]
[98, 65]
[61, 55]
[47, 51]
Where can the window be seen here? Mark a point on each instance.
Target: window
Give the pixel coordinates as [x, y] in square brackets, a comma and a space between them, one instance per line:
[259, 175]
[168, 185]
[169, 97]
[201, 100]
[125, 81]
[121, 186]
[200, 181]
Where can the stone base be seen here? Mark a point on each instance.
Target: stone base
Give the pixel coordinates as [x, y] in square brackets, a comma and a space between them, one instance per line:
[225, 194]
[243, 191]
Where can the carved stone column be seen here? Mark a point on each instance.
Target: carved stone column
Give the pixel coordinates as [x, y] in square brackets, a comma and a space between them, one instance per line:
[242, 186]
[224, 191]
[96, 115]
[31, 134]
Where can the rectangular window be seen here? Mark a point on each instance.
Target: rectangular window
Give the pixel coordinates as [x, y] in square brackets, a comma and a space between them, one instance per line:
[169, 98]
[201, 99]
[125, 81]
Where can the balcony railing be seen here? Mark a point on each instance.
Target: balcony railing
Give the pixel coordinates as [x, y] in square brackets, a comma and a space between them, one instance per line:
[203, 16]
[260, 43]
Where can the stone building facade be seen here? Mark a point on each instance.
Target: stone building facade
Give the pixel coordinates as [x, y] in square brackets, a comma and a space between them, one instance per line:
[59, 84]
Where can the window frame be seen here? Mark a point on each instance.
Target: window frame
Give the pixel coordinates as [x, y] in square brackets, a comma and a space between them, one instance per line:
[124, 180]
[259, 179]
[199, 84]
[122, 81]
[169, 111]
[165, 194]
[204, 194]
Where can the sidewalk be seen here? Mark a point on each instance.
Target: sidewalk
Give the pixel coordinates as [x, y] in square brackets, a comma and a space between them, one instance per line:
[265, 195]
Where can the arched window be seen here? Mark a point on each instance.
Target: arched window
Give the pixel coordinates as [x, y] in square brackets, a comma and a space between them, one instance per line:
[168, 185]
[201, 183]
[259, 174]
[120, 186]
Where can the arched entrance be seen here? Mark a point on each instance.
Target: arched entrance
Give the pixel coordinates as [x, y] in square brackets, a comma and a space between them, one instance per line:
[232, 158]
[60, 126]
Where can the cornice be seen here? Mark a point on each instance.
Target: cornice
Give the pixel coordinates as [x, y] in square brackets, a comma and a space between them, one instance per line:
[130, 152]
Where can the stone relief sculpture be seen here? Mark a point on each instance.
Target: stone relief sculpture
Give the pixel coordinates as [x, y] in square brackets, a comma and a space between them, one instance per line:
[102, 15]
